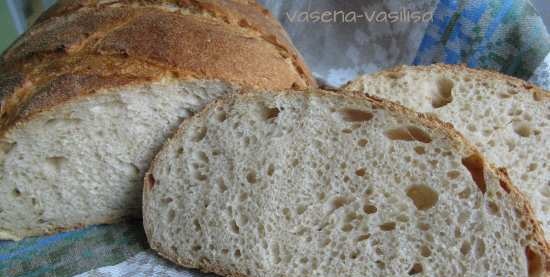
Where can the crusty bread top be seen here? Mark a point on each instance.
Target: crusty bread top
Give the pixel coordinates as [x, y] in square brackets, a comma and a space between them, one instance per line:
[538, 244]
[79, 47]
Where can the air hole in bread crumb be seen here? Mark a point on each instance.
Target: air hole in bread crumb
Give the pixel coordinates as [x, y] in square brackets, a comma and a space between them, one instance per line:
[321, 196]
[402, 218]
[243, 220]
[166, 200]
[347, 131]
[62, 121]
[504, 95]
[420, 150]
[362, 237]
[474, 164]
[425, 251]
[453, 174]
[286, 213]
[362, 142]
[270, 170]
[197, 225]
[221, 185]
[199, 177]
[6, 147]
[251, 177]
[369, 209]
[171, 215]
[221, 116]
[465, 248]
[480, 248]
[270, 113]
[237, 253]
[408, 133]
[234, 227]
[423, 226]
[388, 226]
[261, 230]
[415, 269]
[443, 95]
[347, 227]
[354, 115]
[196, 248]
[422, 196]
[16, 192]
[351, 216]
[198, 133]
[463, 217]
[301, 209]
[523, 129]
[338, 202]
[201, 156]
[56, 162]
[464, 193]
[325, 242]
[493, 209]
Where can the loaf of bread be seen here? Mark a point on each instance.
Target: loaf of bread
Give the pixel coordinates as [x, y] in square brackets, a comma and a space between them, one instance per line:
[91, 91]
[507, 118]
[333, 184]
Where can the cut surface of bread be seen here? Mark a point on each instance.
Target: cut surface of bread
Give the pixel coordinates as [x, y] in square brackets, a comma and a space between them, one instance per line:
[506, 118]
[92, 89]
[82, 163]
[330, 184]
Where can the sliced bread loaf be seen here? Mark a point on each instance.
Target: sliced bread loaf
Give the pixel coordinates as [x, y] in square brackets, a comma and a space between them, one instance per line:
[91, 91]
[333, 184]
[506, 118]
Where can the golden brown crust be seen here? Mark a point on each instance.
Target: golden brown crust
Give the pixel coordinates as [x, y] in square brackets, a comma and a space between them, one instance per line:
[539, 247]
[90, 45]
[256, 18]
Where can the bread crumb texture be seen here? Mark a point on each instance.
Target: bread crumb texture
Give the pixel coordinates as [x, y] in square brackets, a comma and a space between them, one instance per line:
[323, 184]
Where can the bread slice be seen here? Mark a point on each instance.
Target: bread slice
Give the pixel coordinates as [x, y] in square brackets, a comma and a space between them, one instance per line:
[331, 184]
[506, 118]
[91, 91]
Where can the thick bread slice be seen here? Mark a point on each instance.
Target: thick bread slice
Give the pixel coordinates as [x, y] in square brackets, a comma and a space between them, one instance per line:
[508, 119]
[91, 90]
[332, 184]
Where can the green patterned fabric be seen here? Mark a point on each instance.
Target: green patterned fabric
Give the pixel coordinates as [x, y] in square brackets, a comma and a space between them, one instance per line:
[70, 253]
[504, 35]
